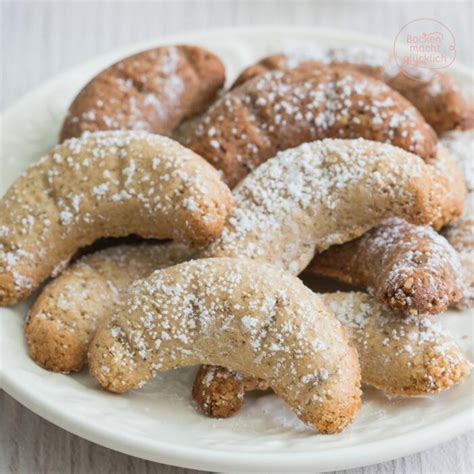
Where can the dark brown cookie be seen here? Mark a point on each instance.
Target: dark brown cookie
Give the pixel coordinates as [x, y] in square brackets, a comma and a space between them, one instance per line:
[220, 392]
[153, 91]
[278, 110]
[411, 269]
[434, 93]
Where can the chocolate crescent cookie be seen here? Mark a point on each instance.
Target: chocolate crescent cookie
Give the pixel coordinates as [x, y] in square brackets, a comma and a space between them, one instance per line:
[434, 93]
[409, 268]
[154, 90]
[281, 110]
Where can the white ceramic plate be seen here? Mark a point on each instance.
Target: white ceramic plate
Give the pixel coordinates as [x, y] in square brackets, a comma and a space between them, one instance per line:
[159, 422]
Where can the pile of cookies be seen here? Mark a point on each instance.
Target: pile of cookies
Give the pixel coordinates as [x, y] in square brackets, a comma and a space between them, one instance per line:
[341, 165]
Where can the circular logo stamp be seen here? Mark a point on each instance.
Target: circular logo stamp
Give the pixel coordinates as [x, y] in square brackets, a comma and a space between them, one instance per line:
[422, 45]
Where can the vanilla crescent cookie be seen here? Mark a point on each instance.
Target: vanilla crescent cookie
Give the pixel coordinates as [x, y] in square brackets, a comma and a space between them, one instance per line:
[460, 145]
[447, 165]
[64, 318]
[153, 90]
[328, 192]
[434, 93]
[402, 356]
[411, 269]
[281, 110]
[106, 184]
[241, 314]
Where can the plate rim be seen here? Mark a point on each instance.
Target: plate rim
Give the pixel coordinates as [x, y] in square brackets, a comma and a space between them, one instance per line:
[204, 458]
[207, 459]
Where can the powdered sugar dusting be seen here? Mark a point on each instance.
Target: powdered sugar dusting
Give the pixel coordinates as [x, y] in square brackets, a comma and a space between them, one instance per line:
[281, 109]
[62, 197]
[366, 58]
[189, 310]
[460, 144]
[358, 55]
[304, 195]
[416, 268]
[415, 350]
[413, 355]
[149, 89]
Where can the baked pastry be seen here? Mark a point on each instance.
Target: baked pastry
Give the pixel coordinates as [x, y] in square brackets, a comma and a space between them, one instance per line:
[324, 193]
[220, 392]
[434, 93]
[402, 356]
[461, 235]
[281, 110]
[153, 90]
[308, 198]
[411, 269]
[455, 201]
[241, 314]
[106, 184]
[64, 318]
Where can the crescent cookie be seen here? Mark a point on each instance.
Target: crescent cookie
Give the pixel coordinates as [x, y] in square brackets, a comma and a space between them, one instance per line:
[106, 184]
[434, 93]
[402, 356]
[461, 235]
[411, 269]
[153, 90]
[455, 201]
[247, 316]
[280, 110]
[64, 318]
[328, 192]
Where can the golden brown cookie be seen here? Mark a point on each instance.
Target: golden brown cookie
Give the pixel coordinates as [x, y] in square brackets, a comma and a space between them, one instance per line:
[106, 184]
[403, 356]
[328, 192]
[411, 269]
[248, 316]
[280, 110]
[434, 93]
[460, 145]
[64, 318]
[154, 90]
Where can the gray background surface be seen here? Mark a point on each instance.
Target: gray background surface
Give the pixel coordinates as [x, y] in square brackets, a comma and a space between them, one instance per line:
[40, 39]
